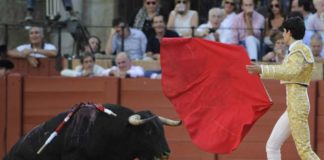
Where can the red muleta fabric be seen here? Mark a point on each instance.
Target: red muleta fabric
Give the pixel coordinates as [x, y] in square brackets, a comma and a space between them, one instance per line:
[215, 97]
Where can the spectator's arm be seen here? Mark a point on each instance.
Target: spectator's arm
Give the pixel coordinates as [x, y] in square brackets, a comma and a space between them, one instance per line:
[171, 20]
[48, 53]
[136, 71]
[235, 30]
[109, 45]
[19, 54]
[194, 20]
[144, 43]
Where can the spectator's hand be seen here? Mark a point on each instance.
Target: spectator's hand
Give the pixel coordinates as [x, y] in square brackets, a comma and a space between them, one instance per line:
[26, 52]
[87, 73]
[253, 69]
[32, 61]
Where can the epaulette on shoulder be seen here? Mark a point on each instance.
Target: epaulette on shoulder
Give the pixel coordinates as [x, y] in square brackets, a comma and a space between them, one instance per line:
[305, 51]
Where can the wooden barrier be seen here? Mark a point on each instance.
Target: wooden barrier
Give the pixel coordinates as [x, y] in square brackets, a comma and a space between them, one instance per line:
[44, 97]
[46, 67]
[14, 109]
[320, 120]
[3, 115]
[146, 94]
[256, 139]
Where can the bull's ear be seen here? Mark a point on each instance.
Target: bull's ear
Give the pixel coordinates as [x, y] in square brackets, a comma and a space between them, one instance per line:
[170, 122]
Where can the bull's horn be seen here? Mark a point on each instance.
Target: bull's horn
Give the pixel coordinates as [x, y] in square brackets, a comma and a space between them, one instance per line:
[169, 122]
[136, 120]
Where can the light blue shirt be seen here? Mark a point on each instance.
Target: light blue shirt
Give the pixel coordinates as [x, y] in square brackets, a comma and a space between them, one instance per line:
[134, 44]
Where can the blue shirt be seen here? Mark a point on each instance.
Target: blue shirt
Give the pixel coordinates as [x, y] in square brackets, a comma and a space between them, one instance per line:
[134, 44]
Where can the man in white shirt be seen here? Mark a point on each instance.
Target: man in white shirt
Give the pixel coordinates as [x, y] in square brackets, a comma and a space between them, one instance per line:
[37, 48]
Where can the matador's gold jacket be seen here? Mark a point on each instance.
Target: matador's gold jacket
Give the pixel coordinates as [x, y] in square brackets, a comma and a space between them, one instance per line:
[297, 66]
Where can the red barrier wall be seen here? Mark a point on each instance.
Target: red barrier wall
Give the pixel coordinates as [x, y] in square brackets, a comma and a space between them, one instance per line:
[320, 120]
[46, 67]
[3, 111]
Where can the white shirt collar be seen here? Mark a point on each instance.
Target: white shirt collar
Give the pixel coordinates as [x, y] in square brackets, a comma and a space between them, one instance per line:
[293, 44]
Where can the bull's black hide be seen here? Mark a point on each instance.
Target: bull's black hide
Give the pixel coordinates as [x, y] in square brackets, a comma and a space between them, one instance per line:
[94, 135]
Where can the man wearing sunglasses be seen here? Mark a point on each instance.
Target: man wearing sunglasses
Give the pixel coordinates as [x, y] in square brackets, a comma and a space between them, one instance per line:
[296, 73]
[247, 28]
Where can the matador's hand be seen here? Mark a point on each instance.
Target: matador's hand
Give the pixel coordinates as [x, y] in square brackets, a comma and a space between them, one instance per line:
[253, 69]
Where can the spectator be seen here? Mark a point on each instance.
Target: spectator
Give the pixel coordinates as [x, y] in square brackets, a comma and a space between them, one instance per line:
[134, 40]
[36, 49]
[228, 21]
[316, 45]
[67, 4]
[315, 22]
[210, 30]
[302, 6]
[88, 68]
[143, 18]
[279, 51]
[93, 46]
[181, 19]
[124, 68]
[248, 26]
[153, 46]
[5, 67]
[275, 20]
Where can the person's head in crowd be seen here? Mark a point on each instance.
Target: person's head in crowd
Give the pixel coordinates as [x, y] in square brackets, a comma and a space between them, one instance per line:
[36, 35]
[277, 39]
[88, 61]
[123, 61]
[229, 6]
[275, 8]
[293, 29]
[151, 6]
[5, 66]
[295, 14]
[93, 42]
[316, 44]
[300, 5]
[182, 6]
[247, 6]
[119, 24]
[319, 6]
[158, 24]
[215, 17]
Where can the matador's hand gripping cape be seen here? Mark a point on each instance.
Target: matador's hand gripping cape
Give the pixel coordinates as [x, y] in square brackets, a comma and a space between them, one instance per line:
[216, 98]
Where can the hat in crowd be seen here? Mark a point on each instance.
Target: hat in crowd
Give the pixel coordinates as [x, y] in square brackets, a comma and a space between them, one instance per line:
[4, 63]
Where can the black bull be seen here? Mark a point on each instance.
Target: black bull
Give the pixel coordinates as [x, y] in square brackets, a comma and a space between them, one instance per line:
[94, 135]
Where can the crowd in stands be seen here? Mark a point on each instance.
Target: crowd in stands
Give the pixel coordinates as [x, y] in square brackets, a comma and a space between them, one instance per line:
[252, 24]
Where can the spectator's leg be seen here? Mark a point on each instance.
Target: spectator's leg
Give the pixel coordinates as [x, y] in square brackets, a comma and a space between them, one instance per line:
[30, 9]
[69, 7]
[252, 46]
[278, 136]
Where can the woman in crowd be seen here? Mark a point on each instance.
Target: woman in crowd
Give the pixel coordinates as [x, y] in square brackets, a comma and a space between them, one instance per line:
[182, 19]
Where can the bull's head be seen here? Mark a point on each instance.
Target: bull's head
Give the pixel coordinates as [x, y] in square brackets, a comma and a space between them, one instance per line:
[153, 134]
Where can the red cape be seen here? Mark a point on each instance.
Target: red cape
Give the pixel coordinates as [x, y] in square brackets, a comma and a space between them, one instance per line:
[215, 97]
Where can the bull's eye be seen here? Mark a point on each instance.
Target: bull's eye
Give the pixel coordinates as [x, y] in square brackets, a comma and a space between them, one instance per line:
[149, 132]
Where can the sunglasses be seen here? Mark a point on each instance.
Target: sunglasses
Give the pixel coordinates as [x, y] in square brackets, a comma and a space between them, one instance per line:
[274, 6]
[184, 2]
[231, 3]
[149, 3]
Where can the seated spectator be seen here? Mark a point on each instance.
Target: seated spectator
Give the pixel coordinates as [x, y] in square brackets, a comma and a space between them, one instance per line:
[144, 17]
[315, 22]
[247, 29]
[88, 68]
[181, 19]
[5, 67]
[67, 4]
[210, 30]
[37, 48]
[93, 45]
[124, 68]
[153, 46]
[316, 46]
[228, 21]
[134, 40]
[273, 22]
[279, 51]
